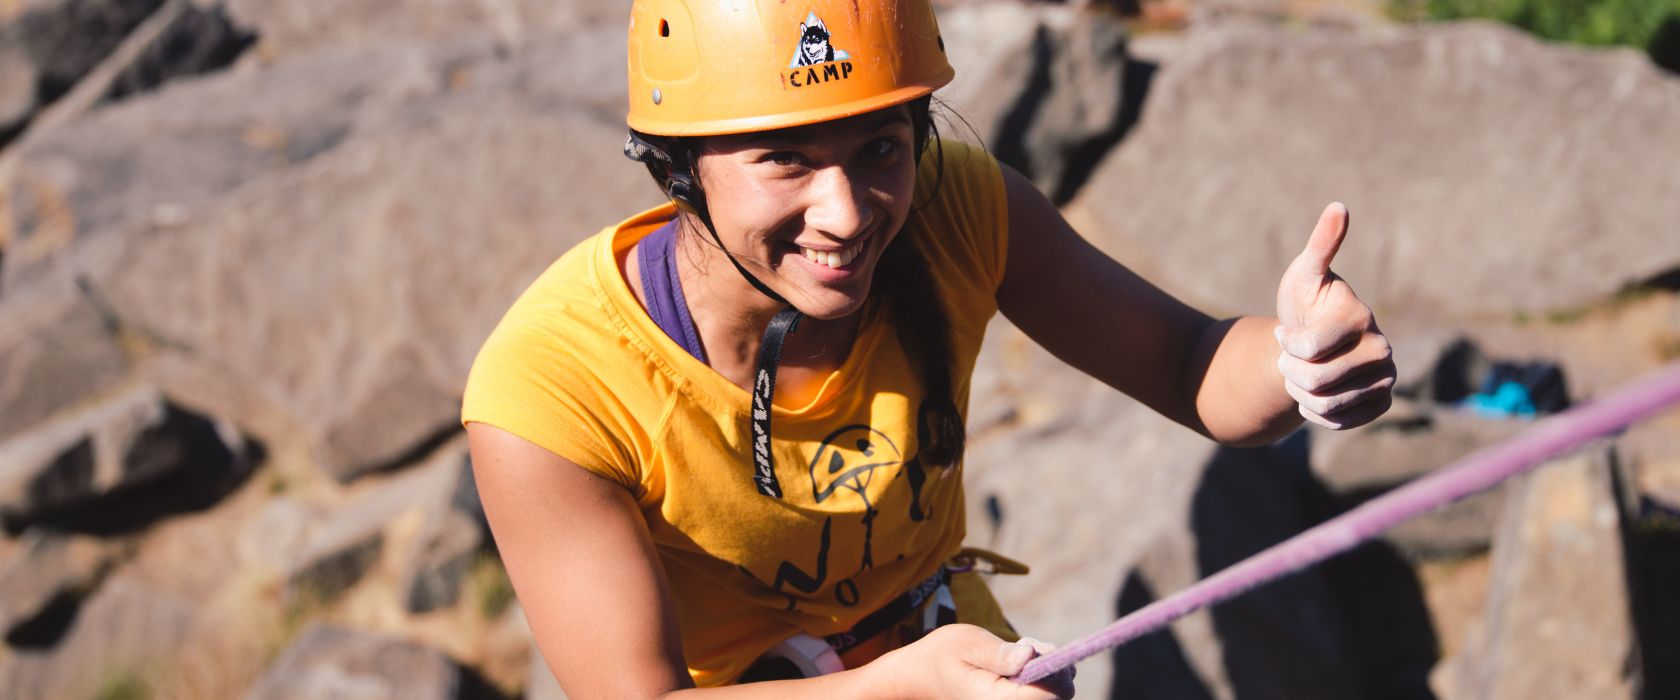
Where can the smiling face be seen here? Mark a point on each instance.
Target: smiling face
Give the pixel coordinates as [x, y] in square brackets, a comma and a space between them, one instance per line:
[809, 210]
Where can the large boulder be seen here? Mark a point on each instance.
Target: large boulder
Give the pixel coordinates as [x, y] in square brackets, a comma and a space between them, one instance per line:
[336, 662]
[1476, 160]
[1557, 623]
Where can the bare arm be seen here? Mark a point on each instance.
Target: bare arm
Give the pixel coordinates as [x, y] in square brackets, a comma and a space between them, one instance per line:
[1225, 379]
[583, 564]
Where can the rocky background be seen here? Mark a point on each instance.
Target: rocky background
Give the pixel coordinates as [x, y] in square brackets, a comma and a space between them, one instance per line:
[250, 247]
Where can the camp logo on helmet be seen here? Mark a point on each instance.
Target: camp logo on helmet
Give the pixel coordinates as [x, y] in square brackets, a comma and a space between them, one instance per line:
[815, 60]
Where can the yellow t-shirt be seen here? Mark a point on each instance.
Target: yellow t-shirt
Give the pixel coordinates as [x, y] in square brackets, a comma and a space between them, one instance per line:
[578, 367]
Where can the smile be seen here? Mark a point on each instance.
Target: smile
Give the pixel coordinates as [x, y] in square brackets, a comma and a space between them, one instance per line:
[835, 259]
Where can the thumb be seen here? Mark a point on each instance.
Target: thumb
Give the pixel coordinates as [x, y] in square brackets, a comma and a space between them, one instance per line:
[1326, 239]
[1007, 660]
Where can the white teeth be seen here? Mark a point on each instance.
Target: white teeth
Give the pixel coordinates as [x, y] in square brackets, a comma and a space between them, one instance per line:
[833, 259]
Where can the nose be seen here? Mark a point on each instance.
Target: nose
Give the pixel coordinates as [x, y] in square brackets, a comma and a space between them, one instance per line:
[839, 204]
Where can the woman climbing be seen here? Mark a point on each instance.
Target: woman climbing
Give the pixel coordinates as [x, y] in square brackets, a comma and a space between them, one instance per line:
[722, 440]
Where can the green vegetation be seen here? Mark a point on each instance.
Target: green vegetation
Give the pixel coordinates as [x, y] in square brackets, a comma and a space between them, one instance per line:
[1653, 25]
[124, 686]
[492, 589]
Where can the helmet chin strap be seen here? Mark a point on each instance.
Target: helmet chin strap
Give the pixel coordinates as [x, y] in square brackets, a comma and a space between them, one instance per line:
[769, 358]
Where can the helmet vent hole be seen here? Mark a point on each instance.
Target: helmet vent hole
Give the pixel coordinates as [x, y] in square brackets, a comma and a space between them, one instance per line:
[941, 44]
[665, 30]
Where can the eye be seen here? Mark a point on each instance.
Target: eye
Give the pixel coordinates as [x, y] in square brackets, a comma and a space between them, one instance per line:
[881, 148]
[784, 158]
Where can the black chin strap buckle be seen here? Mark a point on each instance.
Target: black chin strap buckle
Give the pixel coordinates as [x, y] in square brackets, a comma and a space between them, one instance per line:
[764, 388]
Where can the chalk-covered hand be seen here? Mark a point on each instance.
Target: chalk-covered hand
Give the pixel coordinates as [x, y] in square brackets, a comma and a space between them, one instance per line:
[1335, 362]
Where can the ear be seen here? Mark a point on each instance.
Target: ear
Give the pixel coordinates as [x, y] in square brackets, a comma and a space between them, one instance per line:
[803, 28]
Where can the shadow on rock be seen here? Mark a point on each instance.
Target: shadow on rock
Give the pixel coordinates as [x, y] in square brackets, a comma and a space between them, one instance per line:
[1356, 626]
[210, 469]
[1152, 666]
[1651, 547]
[1082, 96]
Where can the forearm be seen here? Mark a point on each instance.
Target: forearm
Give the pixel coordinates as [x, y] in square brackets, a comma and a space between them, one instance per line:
[1234, 384]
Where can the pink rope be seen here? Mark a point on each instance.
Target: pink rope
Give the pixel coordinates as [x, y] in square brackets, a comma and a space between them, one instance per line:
[1546, 439]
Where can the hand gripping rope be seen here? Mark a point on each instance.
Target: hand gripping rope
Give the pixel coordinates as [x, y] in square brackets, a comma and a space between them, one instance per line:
[1548, 438]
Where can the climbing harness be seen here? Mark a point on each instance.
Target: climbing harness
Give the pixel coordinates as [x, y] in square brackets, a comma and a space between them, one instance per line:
[1546, 439]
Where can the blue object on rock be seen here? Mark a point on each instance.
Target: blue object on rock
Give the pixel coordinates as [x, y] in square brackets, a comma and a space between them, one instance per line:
[1508, 400]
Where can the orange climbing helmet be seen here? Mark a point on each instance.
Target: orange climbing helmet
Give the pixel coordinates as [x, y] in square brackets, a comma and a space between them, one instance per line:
[706, 67]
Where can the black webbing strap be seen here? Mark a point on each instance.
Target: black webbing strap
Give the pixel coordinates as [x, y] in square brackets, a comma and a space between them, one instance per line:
[890, 614]
[764, 388]
[705, 217]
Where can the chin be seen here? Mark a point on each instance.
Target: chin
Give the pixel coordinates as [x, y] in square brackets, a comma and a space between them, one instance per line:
[832, 304]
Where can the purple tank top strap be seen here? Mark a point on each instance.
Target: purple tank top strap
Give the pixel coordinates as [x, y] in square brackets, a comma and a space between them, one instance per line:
[665, 302]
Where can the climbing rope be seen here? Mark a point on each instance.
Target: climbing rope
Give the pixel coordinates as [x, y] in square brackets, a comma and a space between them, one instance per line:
[1548, 438]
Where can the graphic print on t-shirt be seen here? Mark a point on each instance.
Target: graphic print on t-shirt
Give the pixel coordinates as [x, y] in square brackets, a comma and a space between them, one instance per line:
[847, 461]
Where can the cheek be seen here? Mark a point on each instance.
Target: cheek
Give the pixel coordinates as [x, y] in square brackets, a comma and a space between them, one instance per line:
[755, 209]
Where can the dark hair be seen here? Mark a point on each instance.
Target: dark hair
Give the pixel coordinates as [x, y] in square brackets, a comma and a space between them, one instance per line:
[918, 315]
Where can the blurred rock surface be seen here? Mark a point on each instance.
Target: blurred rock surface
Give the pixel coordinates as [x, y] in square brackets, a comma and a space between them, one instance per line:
[452, 535]
[1464, 187]
[124, 633]
[335, 662]
[49, 576]
[1557, 622]
[129, 440]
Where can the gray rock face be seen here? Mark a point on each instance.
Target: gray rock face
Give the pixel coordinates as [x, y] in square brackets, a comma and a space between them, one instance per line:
[198, 142]
[436, 181]
[1465, 188]
[328, 662]
[127, 632]
[127, 441]
[1557, 622]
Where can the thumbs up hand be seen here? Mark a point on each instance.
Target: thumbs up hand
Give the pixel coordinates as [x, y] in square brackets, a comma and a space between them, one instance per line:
[1335, 363]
